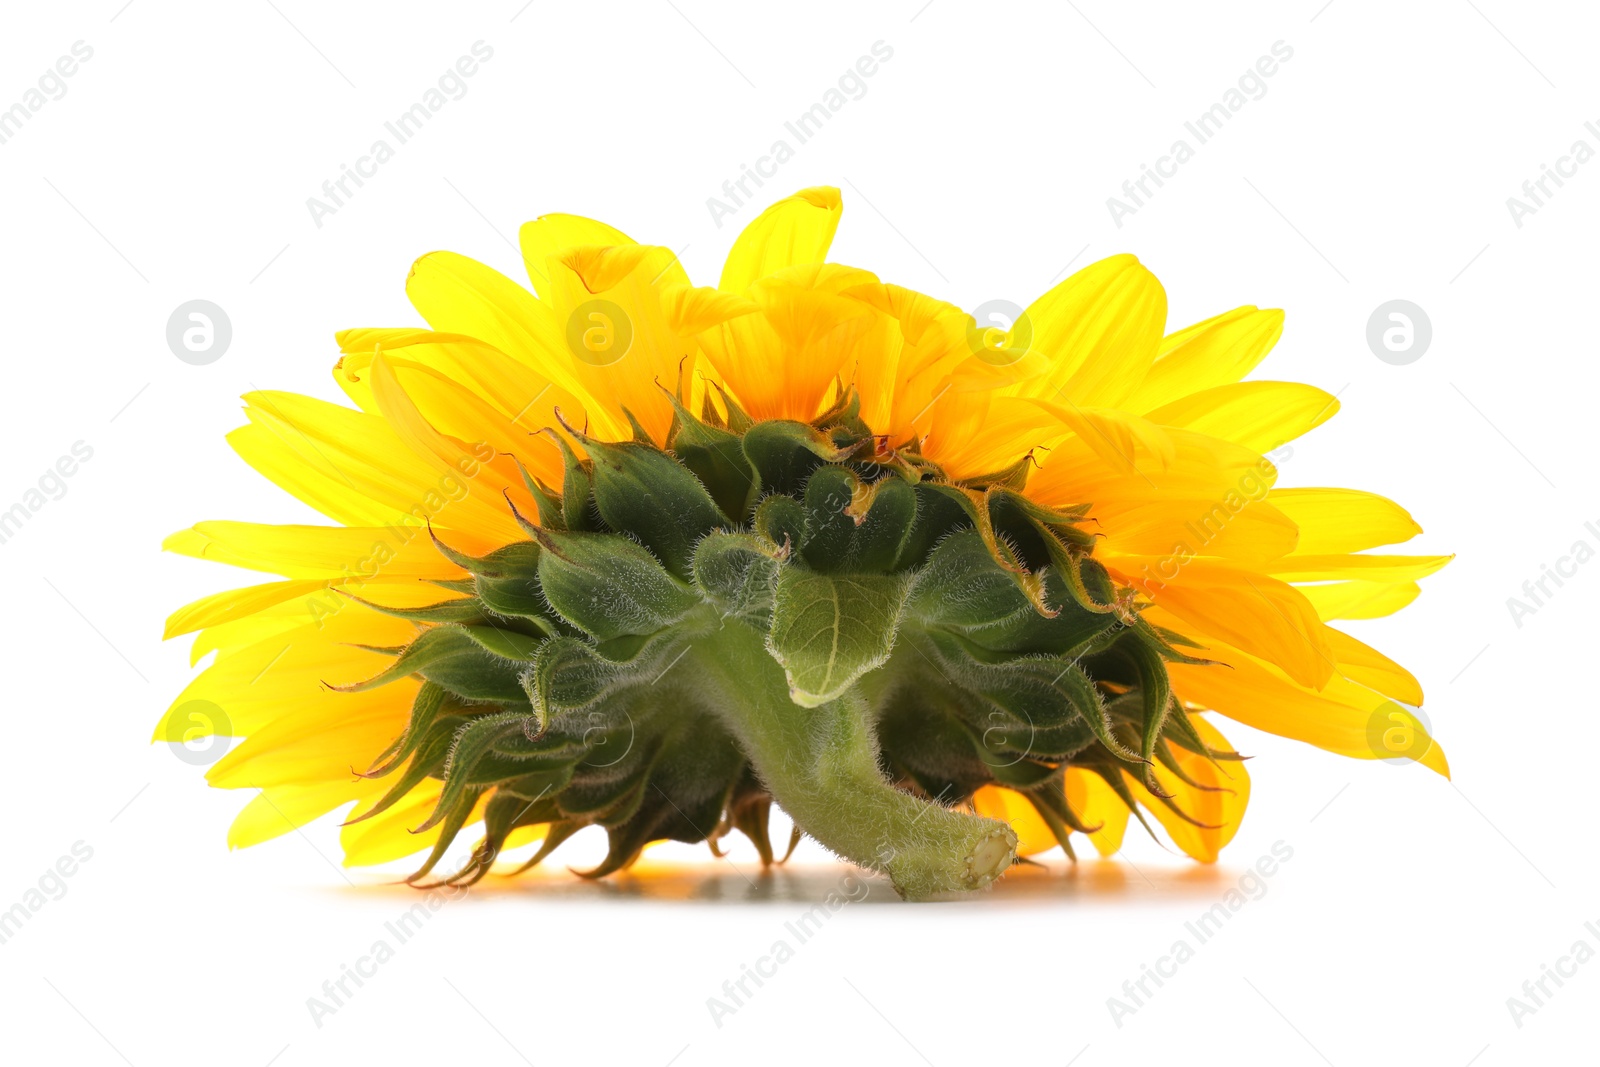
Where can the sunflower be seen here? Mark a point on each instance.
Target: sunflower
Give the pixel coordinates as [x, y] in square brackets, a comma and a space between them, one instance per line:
[628, 552]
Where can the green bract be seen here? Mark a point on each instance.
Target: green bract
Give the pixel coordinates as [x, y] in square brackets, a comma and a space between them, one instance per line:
[782, 612]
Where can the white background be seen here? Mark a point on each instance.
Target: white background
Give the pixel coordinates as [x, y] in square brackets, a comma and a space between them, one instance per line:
[976, 166]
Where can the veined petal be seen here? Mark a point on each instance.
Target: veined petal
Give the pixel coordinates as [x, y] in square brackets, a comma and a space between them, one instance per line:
[1359, 600]
[461, 467]
[1261, 416]
[526, 399]
[795, 231]
[462, 296]
[1361, 663]
[1215, 352]
[1302, 567]
[1126, 442]
[1338, 718]
[1101, 327]
[1097, 804]
[1335, 521]
[620, 330]
[275, 812]
[1236, 528]
[783, 361]
[233, 604]
[1259, 614]
[1220, 805]
[330, 552]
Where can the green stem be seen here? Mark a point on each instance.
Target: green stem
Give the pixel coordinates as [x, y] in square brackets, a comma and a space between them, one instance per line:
[820, 765]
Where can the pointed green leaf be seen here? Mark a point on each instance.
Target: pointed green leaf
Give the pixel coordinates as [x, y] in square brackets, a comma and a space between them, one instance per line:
[449, 656]
[716, 456]
[785, 453]
[504, 642]
[570, 677]
[607, 586]
[642, 491]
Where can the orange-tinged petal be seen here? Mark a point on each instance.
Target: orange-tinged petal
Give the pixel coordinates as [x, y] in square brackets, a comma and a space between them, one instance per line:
[618, 322]
[782, 361]
[1235, 528]
[1220, 804]
[1338, 718]
[1097, 804]
[1253, 612]
[1033, 833]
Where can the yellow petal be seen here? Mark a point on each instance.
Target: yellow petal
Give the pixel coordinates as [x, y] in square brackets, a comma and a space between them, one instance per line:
[1127, 443]
[275, 812]
[1033, 833]
[782, 362]
[630, 348]
[355, 467]
[1097, 804]
[549, 236]
[1100, 328]
[1235, 528]
[1257, 694]
[1220, 805]
[477, 489]
[304, 748]
[1261, 416]
[525, 400]
[458, 295]
[402, 551]
[796, 230]
[1253, 612]
[388, 835]
[1362, 663]
[233, 604]
[1373, 568]
[1334, 521]
[1359, 600]
[1215, 352]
